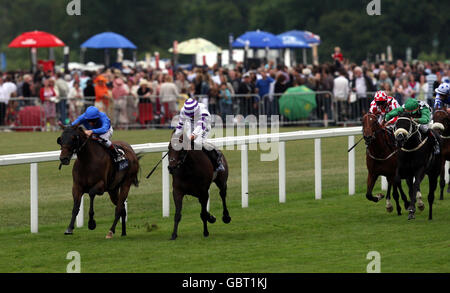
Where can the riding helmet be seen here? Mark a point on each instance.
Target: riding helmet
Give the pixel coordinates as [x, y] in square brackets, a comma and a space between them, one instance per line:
[443, 89]
[92, 113]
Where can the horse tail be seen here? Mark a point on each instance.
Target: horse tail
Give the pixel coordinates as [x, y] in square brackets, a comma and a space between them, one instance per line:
[136, 179]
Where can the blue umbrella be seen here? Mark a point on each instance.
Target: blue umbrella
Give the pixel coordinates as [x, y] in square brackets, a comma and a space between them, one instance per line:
[293, 40]
[298, 39]
[108, 40]
[258, 39]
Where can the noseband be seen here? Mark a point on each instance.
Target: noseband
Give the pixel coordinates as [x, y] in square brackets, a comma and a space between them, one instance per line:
[412, 124]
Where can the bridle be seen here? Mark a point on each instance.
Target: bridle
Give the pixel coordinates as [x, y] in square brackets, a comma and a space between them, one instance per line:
[372, 138]
[179, 163]
[412, 124]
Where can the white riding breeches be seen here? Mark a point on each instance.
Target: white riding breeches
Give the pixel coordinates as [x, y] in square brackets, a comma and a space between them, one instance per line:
[107, 136]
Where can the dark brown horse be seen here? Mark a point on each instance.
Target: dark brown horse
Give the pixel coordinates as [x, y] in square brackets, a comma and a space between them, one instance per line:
[95, 173]
[441, 124]
[381, 160]
[193, 172]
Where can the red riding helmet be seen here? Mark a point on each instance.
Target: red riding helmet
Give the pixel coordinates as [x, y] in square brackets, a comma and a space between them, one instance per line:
[381, 96]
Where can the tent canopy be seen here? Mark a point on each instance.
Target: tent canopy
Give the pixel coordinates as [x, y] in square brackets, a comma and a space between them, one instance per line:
[258, 39]
[36, 39]
[196, 46]
[108, 40]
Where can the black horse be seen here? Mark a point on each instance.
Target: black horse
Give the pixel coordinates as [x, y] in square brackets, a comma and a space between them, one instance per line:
[416, 159]
[193, 172]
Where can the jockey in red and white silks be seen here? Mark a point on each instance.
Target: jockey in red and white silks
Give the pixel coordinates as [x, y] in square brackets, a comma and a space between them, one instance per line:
[383, 104]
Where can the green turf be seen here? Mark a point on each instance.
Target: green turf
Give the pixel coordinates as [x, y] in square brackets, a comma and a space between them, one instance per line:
[302, 235]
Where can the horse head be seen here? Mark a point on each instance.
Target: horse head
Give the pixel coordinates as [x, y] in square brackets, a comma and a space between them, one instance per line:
[370, 127]
[404, 128]
[177, 154]
[70, 142]
[441, 120]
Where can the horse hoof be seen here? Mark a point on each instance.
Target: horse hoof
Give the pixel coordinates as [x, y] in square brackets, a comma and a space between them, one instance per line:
[92, 225]
[389, 209]
[206, 234]
[411, 217]
[174, 236]
[379, 196]
[212, 219]
[226, 219]
[109, 235]
[68, 232]
[123, 235]
[421, 206]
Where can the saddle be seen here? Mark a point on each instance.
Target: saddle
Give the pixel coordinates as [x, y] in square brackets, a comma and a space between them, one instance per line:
[120, 162]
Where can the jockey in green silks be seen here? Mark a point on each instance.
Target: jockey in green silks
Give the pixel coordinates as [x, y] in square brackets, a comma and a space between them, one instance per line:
[420, 112]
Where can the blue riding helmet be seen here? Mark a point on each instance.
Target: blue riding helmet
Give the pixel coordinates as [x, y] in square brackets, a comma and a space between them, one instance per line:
[92, 113]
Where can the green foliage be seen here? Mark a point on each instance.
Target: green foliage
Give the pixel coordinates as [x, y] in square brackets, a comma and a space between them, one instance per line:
[154, 25]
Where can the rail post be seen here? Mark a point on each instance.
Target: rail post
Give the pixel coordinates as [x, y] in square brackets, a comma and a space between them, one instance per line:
[282, 171]
[318, 168]
[165, 186]
[351, 166]
[34, 197]
[244, 175]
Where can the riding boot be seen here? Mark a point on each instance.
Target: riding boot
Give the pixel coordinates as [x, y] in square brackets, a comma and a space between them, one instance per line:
[436, 146]
[117, 155]
[219, 161]
[216, 159]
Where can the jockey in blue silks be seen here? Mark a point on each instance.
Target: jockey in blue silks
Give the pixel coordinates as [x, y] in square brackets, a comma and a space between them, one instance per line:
[442, 95]
[98, 123]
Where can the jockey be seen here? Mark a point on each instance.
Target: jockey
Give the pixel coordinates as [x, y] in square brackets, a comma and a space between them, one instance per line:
[442, 95]
[421, 113]
[98, 123]
[198, 116]
[383, 104]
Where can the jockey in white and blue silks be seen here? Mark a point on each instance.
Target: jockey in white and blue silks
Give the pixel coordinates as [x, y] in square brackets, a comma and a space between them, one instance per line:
[98, 123]
[197, 115]
[442, 95]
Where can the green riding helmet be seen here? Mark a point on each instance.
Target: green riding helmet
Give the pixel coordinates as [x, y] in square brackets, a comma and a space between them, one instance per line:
[412, 106]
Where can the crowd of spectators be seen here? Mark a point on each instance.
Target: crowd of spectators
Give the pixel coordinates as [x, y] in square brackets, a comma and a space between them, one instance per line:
[148, 96]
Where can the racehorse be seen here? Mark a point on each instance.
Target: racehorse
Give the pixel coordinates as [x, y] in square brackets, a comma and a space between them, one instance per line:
[441, 124]
[416, 159]
[94, 173]
[381, 160]
[193, 172]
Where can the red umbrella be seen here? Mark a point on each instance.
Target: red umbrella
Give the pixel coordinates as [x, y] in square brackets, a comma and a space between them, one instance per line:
[36, 39]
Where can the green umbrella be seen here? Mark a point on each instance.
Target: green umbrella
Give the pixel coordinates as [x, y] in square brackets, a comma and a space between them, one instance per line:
[297, 102]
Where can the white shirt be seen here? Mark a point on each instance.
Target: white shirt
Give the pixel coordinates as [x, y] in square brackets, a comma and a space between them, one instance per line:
[341, 88]
[361, 88]
[8, 88]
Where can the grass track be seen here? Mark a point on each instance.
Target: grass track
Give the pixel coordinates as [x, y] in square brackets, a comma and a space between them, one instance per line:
[303, 235]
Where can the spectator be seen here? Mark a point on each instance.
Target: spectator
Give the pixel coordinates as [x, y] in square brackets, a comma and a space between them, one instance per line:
[226, 102]
[76, 103]
[384, 78]
[62, 90]
[337, 57]
[246, 100]
[102, 96]
[181, 82]
[341, 94]
[145, 105]
[431, 78]
[262, 88]
[422, 89]
[169, 93]
[132, 101]
[119, 94]
[361, 85]
[49, 98]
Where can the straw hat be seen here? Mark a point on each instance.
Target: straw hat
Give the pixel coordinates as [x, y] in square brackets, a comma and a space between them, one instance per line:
[144, 82]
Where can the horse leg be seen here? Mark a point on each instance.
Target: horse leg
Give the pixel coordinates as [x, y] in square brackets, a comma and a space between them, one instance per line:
[371, 179]
[389, 207]
[178, 199]
[432, 187]
[114, 196]
[412, 198]
[396, 197]
[77, 194]
[419, 200]
[123, 212]
[204, 215]
[402, 194]
[223, 194]
[442, 180]
[92, 224]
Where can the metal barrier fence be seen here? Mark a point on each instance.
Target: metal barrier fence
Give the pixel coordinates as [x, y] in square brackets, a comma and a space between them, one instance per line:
[131, 112]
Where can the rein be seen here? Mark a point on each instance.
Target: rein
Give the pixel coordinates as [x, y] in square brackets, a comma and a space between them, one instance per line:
[410, 134]
[378, 159]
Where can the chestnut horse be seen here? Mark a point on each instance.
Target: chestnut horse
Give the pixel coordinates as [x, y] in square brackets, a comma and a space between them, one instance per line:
[441, 124]
[193, 172]
[381, 160]
[94, 173]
